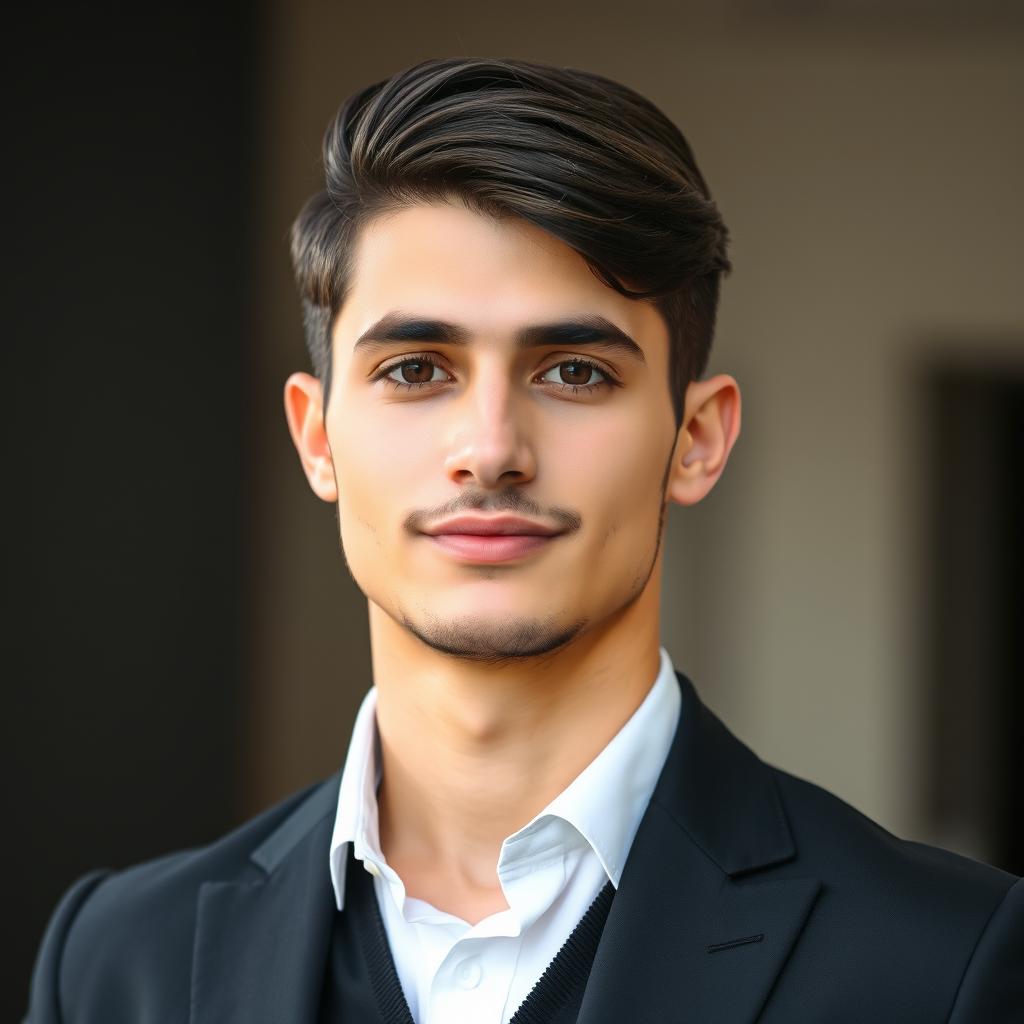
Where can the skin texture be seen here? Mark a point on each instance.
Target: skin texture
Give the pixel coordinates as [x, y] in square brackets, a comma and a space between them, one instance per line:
[498, 684]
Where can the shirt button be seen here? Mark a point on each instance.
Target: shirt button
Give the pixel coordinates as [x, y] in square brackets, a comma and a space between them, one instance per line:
[468, 973]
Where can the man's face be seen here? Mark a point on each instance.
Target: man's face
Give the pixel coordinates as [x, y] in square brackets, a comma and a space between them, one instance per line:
[495, 428]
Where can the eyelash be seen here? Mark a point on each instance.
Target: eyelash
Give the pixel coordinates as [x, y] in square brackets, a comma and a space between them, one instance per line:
[430, 360]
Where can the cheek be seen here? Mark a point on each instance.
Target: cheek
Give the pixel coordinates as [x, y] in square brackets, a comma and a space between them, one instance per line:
[379, 470]
[612, 472]
[385, 451]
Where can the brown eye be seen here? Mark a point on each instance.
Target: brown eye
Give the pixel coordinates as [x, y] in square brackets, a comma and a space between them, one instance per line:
[577, 375]
[418, 371]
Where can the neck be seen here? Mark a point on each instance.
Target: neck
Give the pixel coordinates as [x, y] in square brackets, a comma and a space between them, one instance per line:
[472, 752]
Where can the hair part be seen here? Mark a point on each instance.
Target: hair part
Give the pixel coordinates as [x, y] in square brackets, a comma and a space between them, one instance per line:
[582, 157]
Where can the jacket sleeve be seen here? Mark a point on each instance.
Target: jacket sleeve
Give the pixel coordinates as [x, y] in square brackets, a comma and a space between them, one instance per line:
[992, 988]
[44, 1005]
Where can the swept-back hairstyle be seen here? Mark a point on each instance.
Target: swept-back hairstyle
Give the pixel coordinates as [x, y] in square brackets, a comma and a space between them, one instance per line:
[578, 155]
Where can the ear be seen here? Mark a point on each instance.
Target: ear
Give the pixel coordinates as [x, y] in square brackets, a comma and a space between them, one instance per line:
[711, 424]
[303, 408]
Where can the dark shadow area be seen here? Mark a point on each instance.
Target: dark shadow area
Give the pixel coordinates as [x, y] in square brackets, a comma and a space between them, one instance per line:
[129, 151]
[976, 611]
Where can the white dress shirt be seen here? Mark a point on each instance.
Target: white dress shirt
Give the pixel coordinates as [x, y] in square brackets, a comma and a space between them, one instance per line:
[550, 870]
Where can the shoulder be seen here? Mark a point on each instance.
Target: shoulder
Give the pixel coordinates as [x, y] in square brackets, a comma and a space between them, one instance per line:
[911, 911]
[113, 926]
[847, 846]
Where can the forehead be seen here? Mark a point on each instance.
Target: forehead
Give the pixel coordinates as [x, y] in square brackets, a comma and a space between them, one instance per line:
[443, 260]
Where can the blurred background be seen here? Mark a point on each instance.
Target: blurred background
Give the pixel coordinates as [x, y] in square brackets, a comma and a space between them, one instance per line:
[187, 646]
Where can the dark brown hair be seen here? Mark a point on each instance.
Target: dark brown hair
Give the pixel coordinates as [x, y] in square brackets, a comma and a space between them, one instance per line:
[584, 158]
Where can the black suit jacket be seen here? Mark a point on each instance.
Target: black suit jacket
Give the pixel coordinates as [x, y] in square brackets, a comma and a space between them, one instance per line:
[748, 895]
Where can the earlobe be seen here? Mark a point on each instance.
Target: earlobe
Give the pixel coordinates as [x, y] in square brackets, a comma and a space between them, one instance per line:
[709, 430]
[303, 398]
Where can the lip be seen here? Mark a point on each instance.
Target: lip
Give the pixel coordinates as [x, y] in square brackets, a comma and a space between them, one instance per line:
[490, 548]
[485, 526]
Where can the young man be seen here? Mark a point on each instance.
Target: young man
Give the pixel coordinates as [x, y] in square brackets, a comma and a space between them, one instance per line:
[510, 284]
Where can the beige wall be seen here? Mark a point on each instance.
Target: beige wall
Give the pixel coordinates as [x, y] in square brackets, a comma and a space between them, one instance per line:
[870, 176]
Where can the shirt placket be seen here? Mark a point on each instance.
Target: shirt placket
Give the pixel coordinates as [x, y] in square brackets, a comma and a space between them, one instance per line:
[472, 983]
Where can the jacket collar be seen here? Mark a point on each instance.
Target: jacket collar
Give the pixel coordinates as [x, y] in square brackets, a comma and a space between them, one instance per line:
[721, 794]
[713, 826]
[261, 945]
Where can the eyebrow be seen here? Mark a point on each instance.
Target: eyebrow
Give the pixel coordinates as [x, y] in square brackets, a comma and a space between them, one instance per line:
[397, 328]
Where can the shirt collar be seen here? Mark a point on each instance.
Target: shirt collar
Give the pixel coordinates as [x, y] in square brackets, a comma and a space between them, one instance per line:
[604, 803]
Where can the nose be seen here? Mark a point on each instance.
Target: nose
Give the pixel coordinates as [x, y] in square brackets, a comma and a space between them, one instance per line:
[491, 436]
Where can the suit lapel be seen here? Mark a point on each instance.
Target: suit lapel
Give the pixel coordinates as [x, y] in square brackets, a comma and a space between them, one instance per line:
[261, 945]
[699, 930]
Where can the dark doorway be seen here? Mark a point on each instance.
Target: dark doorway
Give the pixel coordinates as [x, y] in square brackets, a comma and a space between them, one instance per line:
[976, 617]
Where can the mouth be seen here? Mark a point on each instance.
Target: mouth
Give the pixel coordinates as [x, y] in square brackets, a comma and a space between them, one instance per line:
[490, 548]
